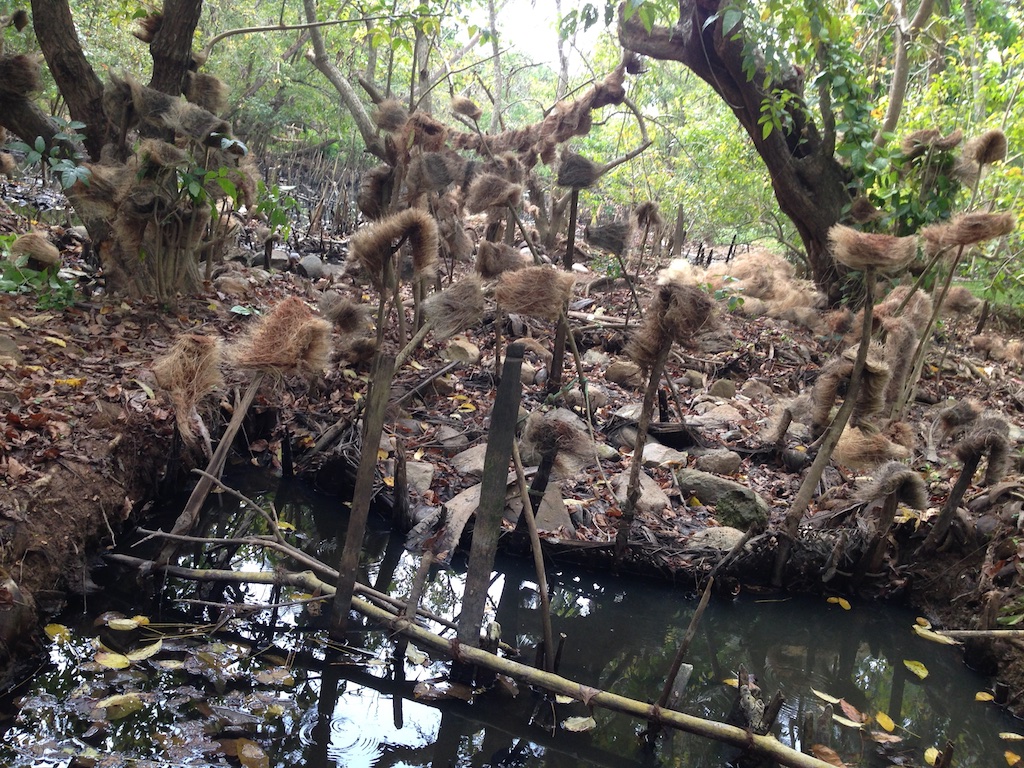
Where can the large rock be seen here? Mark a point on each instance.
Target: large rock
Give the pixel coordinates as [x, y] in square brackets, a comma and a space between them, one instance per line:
[552, 514]
[420, 474]
[658, 455]
[720, 461]
[722, 538]
[652, 499]
[735, 504]
[462, 350]
[470, 461]
[724, 388]
[451, 439]
[624, 373]
[718, 416]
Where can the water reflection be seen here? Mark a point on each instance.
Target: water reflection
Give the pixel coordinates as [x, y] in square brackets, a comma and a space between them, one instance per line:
[620, 635]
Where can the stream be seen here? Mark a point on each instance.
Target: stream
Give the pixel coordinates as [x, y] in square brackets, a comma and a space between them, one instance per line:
[200, 685]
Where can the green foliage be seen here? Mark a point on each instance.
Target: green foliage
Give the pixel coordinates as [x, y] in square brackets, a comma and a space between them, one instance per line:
[66, 169]
[51, 290]
[277, 208]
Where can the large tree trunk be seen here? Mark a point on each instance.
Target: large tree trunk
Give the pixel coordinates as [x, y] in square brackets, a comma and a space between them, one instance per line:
[809, 183]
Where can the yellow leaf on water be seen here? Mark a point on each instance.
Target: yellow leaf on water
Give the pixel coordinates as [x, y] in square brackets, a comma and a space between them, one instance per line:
[921, 621]
[58, 632]
[842, 602]
[825, 696]
[112, 660]
[917, 668]
[931, 755]
[123, 625]
[885, 721]
[55, 340]
[251, 754]
[935, 637]
[732, 681]
[1012, 758]
[145, 651]
[983, 696]
[579, 724]
[885, 738]
[847, 722]
[1010, 736]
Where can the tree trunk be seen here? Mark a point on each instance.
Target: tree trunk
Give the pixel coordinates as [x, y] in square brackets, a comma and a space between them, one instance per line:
[171, 48]
[809, 184]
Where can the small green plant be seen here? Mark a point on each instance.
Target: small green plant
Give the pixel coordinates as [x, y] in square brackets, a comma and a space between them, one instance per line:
[276, 207]
[68, 170]
[733, 301]
[16, 277]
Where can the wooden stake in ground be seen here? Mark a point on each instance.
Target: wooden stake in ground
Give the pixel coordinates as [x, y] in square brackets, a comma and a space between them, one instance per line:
[492, 505]
[348, 566]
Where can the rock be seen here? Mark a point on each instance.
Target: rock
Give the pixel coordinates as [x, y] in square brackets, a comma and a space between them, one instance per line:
[722, 538]
[658, 455]
[310, 266]
[757, 390]
[279, 259]
[470, 461]
[693, 379]
[442, 386]
[720, 461]
[571, 459]
[596, 357]
[734, 503]
[624, 373]
[451, 439]
[463, 350]
[420, 475]
[652, 499]
[724, 388]
[739, 510]
[598, 398]
[551, 515]
[232, 286]
[718, 417]
[631, 411]
[528, 373]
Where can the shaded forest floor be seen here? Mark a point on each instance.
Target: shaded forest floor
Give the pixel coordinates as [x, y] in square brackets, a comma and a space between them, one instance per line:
[88, 441]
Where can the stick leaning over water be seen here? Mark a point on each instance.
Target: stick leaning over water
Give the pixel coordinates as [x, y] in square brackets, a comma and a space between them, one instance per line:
[728, 734]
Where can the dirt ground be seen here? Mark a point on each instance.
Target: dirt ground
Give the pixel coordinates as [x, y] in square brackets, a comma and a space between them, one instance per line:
[88, 440]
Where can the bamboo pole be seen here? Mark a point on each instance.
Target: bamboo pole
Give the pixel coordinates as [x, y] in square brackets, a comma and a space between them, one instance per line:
[767, 746]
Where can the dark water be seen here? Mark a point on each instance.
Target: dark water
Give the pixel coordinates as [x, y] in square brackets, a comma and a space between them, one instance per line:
[261, 677]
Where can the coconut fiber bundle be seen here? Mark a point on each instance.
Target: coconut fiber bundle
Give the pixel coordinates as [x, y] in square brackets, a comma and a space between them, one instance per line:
[290, 338]
[540, 292]
[456, 308]
[189, 371]
[861, 250]
[492, 259]
[677, 313]
[969, 228]
[374, 244]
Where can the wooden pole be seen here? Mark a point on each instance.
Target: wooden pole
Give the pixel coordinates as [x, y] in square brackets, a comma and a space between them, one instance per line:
[348, 566]
[492, 504]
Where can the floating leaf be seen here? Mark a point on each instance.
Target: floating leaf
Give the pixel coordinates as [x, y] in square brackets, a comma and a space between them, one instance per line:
[142, 621]
[170, 664]
[849, 723]
[579, 724]
[984, 696]
[885, 738]
[842, 602]
[1012, 758]
[146, 651]
[121, 706]
[251, 755]
[1010, 736]
[123, 625]
[112, 660]
[931, 755]
[921, 621]
[415, 655]
[935, 637]
[917, 668]
[852, 712]
[560, 699]
[732, 681]
[885, 721]
[827, 755]
[825, 697]
[58, 632]
[276, 676]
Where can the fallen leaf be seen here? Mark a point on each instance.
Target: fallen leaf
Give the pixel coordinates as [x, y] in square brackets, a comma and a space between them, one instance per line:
[842, 602]
[120, 706]
[734, 682]
[1012, 758]
[935, 637]
[923, 622]
[825, 697]
[931, 755]
[1010, 736]
[55, 340]
[983, 696]
[917, 668]
[146, 651]
[123, 625]
[579, 724]
[849, 723]
[57, 632]
[852, 712]
[112, 660]
[885, 738]
[827, 755]
[251, 754]
[885, 721]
